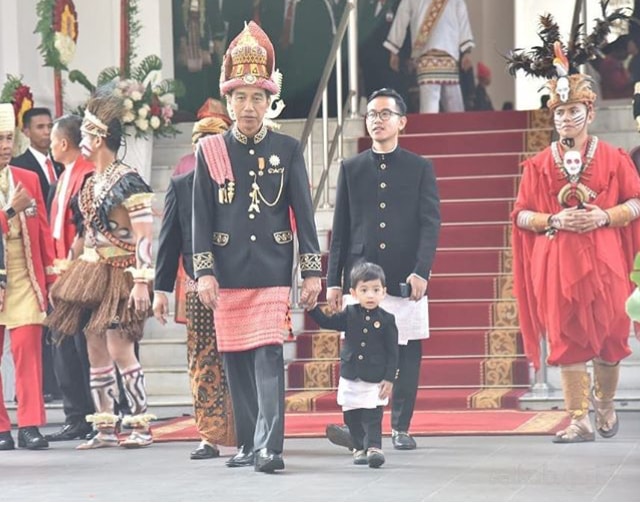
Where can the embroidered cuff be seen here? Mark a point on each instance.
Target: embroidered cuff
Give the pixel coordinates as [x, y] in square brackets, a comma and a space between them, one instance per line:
[310, 263]
[202, 261]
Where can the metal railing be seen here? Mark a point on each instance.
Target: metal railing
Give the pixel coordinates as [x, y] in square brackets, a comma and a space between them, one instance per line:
[348, 21]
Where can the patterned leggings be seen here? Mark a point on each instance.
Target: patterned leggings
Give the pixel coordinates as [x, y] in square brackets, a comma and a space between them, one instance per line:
[209, 389]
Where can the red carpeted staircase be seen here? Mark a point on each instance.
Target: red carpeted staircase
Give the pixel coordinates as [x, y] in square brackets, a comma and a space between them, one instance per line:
[474, 356]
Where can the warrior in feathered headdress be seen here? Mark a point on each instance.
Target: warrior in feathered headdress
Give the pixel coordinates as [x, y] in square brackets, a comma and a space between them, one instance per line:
[575, 231]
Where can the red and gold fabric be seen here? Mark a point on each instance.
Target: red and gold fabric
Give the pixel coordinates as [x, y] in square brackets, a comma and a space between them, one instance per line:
[572, 287]
[36, 237]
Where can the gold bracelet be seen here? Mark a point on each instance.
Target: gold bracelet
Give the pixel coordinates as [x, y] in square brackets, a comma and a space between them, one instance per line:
[539, 221]
[619, 216]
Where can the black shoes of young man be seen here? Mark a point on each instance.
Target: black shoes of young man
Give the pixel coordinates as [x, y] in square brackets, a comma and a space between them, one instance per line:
[244, 457]
[71, 431]
[268, 461]
[205, 451]
[403, 441]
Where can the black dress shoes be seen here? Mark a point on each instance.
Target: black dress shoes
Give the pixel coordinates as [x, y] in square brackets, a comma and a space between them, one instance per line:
[245, 457]
[339, 435]
[268, 461]
[402, 441]
[71, 431]
[205, 451]
[31, 438]
[6, 441]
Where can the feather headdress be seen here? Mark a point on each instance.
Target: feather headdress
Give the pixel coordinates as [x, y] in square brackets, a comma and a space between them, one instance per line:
[540, 61]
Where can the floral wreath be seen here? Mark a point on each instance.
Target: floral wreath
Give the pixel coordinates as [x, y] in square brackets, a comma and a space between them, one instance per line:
[18, 94]
[58, 27]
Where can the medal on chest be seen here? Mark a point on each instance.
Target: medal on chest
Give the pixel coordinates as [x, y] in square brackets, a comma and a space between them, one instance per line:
[256, 195]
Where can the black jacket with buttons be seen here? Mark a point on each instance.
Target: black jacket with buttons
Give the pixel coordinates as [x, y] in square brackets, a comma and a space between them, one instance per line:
[370, 347]
[247, 248]
[387, 212]
[175, 233]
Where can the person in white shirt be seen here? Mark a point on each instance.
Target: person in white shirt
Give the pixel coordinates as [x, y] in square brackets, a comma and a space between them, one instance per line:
[441, 40]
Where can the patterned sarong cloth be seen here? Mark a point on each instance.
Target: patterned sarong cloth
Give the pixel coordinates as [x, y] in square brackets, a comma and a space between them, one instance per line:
[437, 67]
[209, 389]
[250, 318]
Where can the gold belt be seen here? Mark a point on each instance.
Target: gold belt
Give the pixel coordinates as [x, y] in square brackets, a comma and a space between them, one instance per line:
[98, 254]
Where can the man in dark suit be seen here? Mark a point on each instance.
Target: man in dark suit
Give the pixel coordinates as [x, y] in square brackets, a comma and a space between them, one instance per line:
[70, 360]
[388, 212]
[37, 127]
[37, 124]
[210, 392]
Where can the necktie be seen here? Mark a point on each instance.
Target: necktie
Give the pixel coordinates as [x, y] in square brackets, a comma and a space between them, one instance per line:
[51, 173]
[285, 39]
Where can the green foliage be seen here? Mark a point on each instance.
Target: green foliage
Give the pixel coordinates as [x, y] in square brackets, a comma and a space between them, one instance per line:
[149, 64]
[80, 78]
[51, 56]
[108, 75]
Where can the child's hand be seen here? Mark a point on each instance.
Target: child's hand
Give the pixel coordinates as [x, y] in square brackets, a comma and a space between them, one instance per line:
[385, 390]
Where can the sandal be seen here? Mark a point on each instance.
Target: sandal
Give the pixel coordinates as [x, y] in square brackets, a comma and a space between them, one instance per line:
[577, 431]
[607, 422]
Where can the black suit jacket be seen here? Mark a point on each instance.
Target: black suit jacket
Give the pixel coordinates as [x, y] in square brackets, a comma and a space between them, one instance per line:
[28, 161]
[370, 347]
[245, 248]
[387, 212]
[175, 233]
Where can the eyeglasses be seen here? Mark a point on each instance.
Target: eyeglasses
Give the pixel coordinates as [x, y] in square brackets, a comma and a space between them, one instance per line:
[384, 114]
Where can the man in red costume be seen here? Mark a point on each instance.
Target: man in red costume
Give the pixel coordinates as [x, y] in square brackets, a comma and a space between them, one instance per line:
[574, 236]
[26, 270]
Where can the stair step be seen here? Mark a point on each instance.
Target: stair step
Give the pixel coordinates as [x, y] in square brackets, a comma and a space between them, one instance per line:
[451, 288]
[503, 187]
[488, 235]
[167, 352]
[474, 164]
[461, 261]
[167, 380]
[456, 212]
[470, 121]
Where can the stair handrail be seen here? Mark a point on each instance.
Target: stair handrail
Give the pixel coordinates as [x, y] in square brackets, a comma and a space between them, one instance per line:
[326, 73]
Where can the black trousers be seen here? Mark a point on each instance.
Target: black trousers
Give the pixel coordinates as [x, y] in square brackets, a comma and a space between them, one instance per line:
[71, 366]
[405, 387]
[365, 426]
[256, 384]
[50, 385]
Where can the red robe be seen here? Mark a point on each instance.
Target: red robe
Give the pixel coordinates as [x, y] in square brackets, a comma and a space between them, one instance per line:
[36, 237]
[573, 288]
[81, 169]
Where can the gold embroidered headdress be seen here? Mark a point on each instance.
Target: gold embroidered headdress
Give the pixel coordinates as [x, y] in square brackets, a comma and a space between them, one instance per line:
[559, 63]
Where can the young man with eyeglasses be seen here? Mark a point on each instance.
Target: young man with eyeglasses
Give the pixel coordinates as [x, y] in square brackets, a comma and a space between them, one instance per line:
[388, 212]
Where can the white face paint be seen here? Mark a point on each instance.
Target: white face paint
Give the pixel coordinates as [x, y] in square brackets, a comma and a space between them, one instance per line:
[572, 162]
[570, 119]
[562, 88]
[85, 146]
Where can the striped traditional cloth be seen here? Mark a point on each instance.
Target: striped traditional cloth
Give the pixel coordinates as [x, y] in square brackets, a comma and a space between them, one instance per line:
[250, 318]
[437, 67]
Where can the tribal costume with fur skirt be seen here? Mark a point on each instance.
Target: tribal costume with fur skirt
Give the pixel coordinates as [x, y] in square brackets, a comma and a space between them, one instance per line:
[99, 280]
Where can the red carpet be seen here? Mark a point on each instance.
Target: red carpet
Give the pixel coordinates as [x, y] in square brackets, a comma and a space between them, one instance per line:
[474, 358]
[424, 423]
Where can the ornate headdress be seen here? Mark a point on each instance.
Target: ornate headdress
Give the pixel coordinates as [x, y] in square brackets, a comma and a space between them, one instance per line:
[559, 62]
[212, 119]
[102, 109]
[249, 61]
[7, 117]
